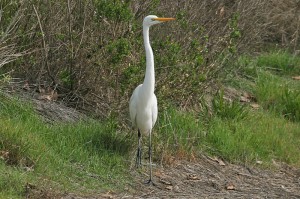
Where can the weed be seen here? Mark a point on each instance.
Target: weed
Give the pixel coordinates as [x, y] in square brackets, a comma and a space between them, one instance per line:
[291, 101]
[178, 133]
[279, 95]
[226, 109]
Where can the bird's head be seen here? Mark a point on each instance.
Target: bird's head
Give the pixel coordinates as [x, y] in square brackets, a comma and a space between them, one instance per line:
[152, 20]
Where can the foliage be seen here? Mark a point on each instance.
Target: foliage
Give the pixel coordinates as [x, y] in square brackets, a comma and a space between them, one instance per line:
[118, 50]
[114, 10]
[235, 33]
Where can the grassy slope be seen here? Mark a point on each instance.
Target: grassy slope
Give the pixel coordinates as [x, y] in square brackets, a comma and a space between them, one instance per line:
[84, 156]
[91, 156]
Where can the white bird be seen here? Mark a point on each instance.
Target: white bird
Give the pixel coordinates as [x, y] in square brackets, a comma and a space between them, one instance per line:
[143, 102]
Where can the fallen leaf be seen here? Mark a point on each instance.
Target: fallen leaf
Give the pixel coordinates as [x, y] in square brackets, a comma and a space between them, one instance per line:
[29, 186]
[221, 163]
[176, 188]
[193, 177]
[244, 99]
[54, 95]
[230, 187]
[222, 11]
[4, 155]
[26, 85]
[255, 106]
[45, 97]
[259, 162]
[160, 174]
[165, 182]
[108, 195]
[29, 169]
[296, 78]
[42, 90]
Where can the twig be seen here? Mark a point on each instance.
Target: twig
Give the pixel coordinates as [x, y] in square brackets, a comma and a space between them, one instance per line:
[45, 63]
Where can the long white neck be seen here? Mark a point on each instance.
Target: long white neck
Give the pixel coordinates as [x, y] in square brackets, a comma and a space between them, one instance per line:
[149, 81]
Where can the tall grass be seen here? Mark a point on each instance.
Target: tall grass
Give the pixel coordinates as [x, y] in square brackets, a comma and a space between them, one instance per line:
[278, 94]
[258, 135]
[269, 79]
[284, 62]
[261, 136]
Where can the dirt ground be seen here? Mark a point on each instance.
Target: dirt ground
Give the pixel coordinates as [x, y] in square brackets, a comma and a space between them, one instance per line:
[211, 178]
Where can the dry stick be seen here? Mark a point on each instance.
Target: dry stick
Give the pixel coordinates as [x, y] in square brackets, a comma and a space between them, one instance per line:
[45, 62]
[72, 46]
[11, 26]
[80, 43]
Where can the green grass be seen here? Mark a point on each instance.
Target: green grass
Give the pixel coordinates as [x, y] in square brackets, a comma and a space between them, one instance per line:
[275, 90]
[259, 135]
[284, 62]
[81, 157]
[279, 94]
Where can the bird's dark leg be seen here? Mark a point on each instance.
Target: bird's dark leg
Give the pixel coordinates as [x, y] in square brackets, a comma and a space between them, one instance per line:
[150, 181]
[139, 151]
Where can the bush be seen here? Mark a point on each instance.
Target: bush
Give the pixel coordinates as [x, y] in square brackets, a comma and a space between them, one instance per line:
[92, 51]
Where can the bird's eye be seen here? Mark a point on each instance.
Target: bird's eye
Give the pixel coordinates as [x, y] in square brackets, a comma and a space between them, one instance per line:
[153, 19]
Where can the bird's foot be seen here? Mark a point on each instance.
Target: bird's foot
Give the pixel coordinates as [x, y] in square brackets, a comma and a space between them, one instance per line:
[138, 164]
[150, 182]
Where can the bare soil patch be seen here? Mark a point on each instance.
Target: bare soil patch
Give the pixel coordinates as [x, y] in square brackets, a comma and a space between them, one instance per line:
[210, 178]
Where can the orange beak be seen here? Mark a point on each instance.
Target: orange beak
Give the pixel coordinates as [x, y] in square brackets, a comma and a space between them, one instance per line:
[163, 19]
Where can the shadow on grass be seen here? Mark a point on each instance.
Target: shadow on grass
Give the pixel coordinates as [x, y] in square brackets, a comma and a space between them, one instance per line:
[112, 142]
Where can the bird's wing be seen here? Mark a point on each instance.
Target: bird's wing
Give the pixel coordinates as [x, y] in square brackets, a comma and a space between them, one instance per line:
[154, 111]
[132, 106]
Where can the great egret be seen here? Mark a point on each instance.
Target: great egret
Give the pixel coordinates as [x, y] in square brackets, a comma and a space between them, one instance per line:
[143, 102]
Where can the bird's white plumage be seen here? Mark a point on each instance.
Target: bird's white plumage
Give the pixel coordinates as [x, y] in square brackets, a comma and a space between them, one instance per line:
[143, 102]
[132, 106]
[143, 112]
